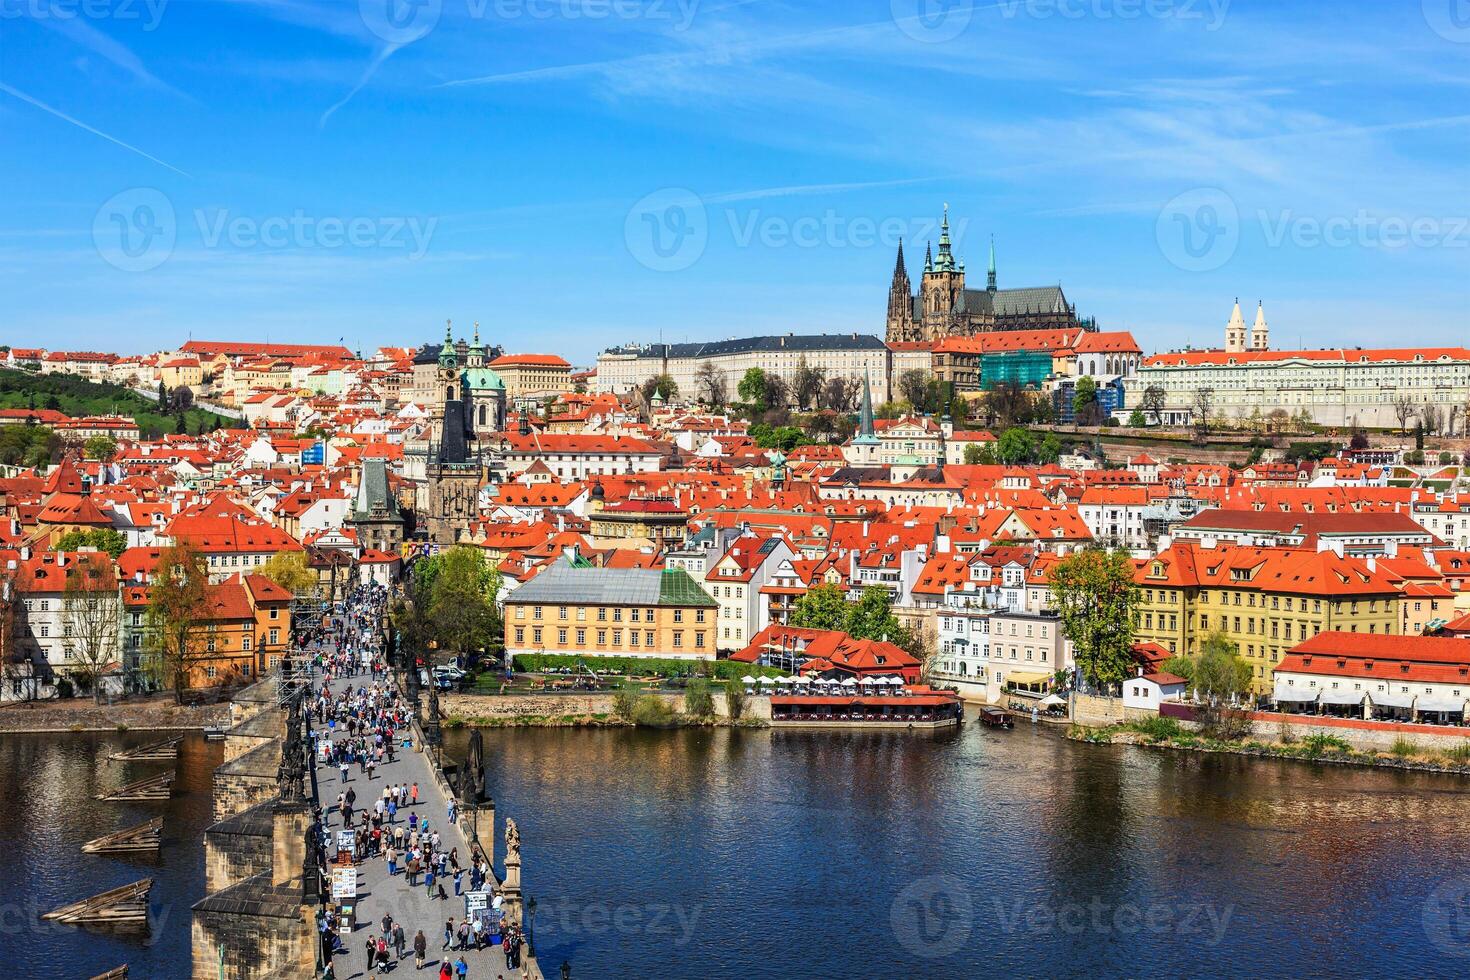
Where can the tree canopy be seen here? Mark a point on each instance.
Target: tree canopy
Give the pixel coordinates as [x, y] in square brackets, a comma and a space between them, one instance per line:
[1096, 597]
[101, 538]
[288, 570]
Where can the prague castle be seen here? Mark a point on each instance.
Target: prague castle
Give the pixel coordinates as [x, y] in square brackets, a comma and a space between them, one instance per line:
[943, 306]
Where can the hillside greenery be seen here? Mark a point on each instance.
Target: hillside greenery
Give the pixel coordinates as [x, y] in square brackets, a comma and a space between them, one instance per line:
[78, 397]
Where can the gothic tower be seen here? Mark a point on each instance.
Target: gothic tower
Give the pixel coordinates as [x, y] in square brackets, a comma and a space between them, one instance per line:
[1260, 333]
[453, 468]
[1235, 331]
[943, 285]
[901, 325]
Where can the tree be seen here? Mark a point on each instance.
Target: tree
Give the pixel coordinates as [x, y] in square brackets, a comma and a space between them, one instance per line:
[806, 387]
[105, 539]
[181, 425]
[288, 570]
[972, 454]
[102, 448]
[710, 384]
[1204, 406]
[1096, 598]
[1136, 419]
[1050, 449]
[1153, 402]
[461, 591]
[1403, 410]
[29, 445]
[913, 385]
[1015, 446]
[1085, 407]
[1359, 440]
[1007, 403]
[92, 611]
[698, 701]
[177, 607]
[1217, 674]
[162, 397]
[840, 393]
[16, 667]
[871, 617]
[778, 393]
[752, 388]
[663, 385]
[821, 608]
[1429, 417]
[181, 398]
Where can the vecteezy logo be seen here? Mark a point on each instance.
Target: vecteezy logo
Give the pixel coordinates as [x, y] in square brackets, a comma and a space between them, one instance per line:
[933, 917]
[1450, 19]
[400, 22]
[1446, 917]
[667, 230]
[1199, 230]
[135, 231]
[932, 21]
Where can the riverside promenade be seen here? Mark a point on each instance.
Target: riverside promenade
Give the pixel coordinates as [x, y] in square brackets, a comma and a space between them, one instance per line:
[379, 894]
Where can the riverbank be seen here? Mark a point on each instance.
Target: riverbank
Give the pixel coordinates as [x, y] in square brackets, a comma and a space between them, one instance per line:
[154, 714]
[1165, 733]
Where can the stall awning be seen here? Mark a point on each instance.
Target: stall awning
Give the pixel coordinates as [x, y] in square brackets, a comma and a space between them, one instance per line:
[1329, 696]
[1390, 699]
[1027, 677]
[1294, 694]
[1441, 702]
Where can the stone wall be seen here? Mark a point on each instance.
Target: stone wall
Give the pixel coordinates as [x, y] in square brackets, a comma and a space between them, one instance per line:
[253, 931]
[1088, 709]
[469, 706]
[1368, 736]
[248, 780]
[237, 848]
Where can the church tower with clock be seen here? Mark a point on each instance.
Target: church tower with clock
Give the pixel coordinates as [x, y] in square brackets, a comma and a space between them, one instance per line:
[454, 468]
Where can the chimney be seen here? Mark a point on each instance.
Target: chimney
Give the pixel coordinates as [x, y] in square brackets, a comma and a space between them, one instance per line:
[138, 576]
[25, 553]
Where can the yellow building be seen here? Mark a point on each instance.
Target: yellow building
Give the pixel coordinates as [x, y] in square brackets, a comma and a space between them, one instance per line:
[1264, 600]
[573, 608]
[182, 372]
[533, 374]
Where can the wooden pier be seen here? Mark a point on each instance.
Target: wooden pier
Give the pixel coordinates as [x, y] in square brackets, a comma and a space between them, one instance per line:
[143, 837]
[125, 907]
[119, 973]
[158, 787]
[160, 751]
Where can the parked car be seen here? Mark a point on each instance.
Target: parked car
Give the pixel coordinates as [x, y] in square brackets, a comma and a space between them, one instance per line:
[447, 677]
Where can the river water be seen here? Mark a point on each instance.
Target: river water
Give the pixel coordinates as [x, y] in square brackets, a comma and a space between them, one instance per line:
[47, 783]
[763, 854]
[766, 854]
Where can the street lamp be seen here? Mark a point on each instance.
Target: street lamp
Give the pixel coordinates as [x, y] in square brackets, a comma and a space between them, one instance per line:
[531, 927]
[566, 970]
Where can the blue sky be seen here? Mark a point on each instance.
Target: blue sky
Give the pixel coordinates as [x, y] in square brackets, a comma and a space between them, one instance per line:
[578, 173]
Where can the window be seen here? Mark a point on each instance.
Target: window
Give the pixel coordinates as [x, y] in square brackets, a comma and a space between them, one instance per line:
[633, 615]
[699, 615]
[678, 640]
[275, 637]
[520, 634]
[602, 638]
[699, 639]
[678, 615]
[245, 642]
[535, 612]
[632, 638]
[617, 615]
[648, 617]
[601, 615]
[581, 637]
[648, 637]
[520, 612]
[561, 637]
[617, 638]
[536, 636]
[581, 614]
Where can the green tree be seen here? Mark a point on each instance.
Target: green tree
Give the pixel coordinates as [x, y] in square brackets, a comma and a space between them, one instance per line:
[1096, 597]
[913, 385]
[1136, 420]
[102, 448]
[663, 384]
[104, 539]
[972, 454]
[1050, 449]
[698, 702]
[177, 607]
[735, 698]
[1015, 446]
[871, 617]
[1084, 402]
[752, 388]
[92, 606]
[288, 570]
[1218, 674]
[461, 587]
[821, 608]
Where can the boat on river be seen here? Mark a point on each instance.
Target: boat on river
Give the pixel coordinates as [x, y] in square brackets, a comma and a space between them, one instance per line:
[908, 707]
[993, 717]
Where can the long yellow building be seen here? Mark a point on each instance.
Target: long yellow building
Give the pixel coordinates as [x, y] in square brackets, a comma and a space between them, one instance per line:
[1264, 600]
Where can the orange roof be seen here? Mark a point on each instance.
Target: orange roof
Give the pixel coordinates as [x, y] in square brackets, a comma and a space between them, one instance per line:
[530, 360]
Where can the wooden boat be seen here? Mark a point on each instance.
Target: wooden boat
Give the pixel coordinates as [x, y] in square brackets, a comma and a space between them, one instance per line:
[144, 837]
[158, 787]
[993, 717]
[125, 907]
[160, 751]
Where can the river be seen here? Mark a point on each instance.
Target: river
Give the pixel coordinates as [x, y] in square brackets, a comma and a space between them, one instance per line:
[763, 854]
[711, 853]
[47, 783]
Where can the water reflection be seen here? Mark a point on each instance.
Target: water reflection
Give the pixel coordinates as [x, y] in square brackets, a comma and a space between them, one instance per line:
[50, 781]
[858, 854]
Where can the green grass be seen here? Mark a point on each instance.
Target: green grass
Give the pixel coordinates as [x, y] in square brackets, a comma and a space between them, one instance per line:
[1159, 729]
[1458, 754]
[1403, 748]
[1315, 745]
[644, 666]
[77, 397]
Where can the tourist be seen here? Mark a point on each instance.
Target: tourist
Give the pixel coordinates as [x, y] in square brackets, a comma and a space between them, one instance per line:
[448, 933]
[420, 949]
[429, 880]
[383, 952]
[372, 952]
[399, 941]
[413, 795]
[446, 972]
[458, 874]
[461, 968]
[462, 935]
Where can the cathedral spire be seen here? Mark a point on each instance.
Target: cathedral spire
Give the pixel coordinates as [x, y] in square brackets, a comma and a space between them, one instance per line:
[990, 275]
[944, 262]
[447, 355]
[899, 271]
[866, 432]
[928, 258]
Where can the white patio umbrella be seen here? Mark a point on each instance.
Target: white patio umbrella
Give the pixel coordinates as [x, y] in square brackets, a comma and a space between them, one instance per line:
[784, 680]
[747, 679]
[767, 680]
[1052, 700]
[850, 682]
[802, 680]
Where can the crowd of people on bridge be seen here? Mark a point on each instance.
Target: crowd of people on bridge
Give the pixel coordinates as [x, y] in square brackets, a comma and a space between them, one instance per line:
[357, 728]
